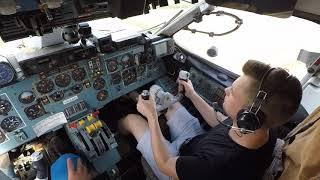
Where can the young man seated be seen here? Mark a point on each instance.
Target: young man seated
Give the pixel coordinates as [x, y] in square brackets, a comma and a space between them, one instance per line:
[261, 99]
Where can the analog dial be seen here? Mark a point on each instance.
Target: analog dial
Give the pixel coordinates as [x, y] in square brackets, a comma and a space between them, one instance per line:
[76, 88]
[10, 123]
[5, 107]
[102, 95]
[26, 97]
[7, 74]
[57, 96]
[34, 111]
[63, 80]
[127, 60]
[129, 76]
[45, 86]
[112, 65]
[99, 83]
[79, 74]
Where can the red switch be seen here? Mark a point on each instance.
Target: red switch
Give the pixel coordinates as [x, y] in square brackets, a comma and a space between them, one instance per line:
[95, 114]
[73, 125]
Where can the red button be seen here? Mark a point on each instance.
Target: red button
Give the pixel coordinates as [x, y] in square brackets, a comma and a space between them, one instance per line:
[73, 125]
[95, 114]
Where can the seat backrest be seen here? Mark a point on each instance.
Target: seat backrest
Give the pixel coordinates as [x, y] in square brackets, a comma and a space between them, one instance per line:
[276, 165]
[300, 152]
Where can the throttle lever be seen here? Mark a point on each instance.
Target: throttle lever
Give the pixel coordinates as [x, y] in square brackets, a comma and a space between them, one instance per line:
[145, 94]
[184, 76]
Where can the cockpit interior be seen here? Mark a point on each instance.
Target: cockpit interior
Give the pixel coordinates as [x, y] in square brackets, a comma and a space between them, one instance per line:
[68, 96]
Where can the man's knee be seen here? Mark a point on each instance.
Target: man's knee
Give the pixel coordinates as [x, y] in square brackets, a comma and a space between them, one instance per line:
[135, 124]
[133, 120]
[172, 109]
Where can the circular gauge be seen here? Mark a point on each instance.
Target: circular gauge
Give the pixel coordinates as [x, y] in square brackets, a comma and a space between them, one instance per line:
[10, 123]
[63, 80]
[115, 78]
[127, 60]
[45, 86]
[5, 107]
[27, 97]
[34, 111]
[57, 96]
[7, 73]
[76, 88]
[112, 65]
[141, 69]
[78, 74]
[99, 83]
[129, 76]
[102, 95]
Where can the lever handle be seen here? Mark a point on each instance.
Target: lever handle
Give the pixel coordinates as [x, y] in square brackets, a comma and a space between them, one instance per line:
[184, 75]
[145, 94]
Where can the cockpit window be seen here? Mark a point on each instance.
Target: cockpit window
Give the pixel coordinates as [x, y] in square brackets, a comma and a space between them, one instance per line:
[269, 39]
[272, 40]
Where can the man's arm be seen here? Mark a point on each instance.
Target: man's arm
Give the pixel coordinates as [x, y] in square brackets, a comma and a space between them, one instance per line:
[165, 162]
[78, 173]
[206, 111]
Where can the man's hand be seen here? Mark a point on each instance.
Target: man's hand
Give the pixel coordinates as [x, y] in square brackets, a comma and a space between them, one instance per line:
[80, 173]
[147, 107]
[187, 87]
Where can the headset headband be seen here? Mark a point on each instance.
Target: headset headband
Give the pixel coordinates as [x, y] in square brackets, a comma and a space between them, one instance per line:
[261, 95]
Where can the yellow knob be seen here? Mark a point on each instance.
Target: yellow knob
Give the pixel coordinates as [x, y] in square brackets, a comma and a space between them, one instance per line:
[98, 124]
[90, 129]
[90, 118]
[81, 122]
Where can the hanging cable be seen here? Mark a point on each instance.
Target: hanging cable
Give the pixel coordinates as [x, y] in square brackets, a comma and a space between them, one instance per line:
[238, 23]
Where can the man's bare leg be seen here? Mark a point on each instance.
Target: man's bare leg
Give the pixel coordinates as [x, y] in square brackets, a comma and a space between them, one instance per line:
[134, 124]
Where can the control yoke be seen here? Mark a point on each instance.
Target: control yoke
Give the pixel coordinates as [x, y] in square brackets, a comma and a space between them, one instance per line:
[165, 99]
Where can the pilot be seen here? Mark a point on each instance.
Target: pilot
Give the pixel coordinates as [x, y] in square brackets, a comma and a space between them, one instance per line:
[240, 146]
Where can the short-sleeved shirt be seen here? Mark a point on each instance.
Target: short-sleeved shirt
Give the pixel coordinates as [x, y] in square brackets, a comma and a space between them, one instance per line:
[214, 155]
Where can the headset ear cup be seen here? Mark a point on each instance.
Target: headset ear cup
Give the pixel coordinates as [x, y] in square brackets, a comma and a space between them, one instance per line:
[247, 120]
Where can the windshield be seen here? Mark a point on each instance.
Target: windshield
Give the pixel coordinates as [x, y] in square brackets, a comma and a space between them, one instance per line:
[272, 40]
[268, 39]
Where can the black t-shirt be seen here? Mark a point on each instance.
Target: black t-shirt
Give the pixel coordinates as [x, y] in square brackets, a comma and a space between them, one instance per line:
[214, 155]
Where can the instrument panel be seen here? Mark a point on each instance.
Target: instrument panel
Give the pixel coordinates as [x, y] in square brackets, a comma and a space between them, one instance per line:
[87, 82]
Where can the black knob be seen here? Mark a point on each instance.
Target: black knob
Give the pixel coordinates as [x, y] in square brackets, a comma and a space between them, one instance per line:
[145, 94]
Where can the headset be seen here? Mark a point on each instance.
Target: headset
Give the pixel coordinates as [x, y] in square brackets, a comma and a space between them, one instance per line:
[251, 118]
